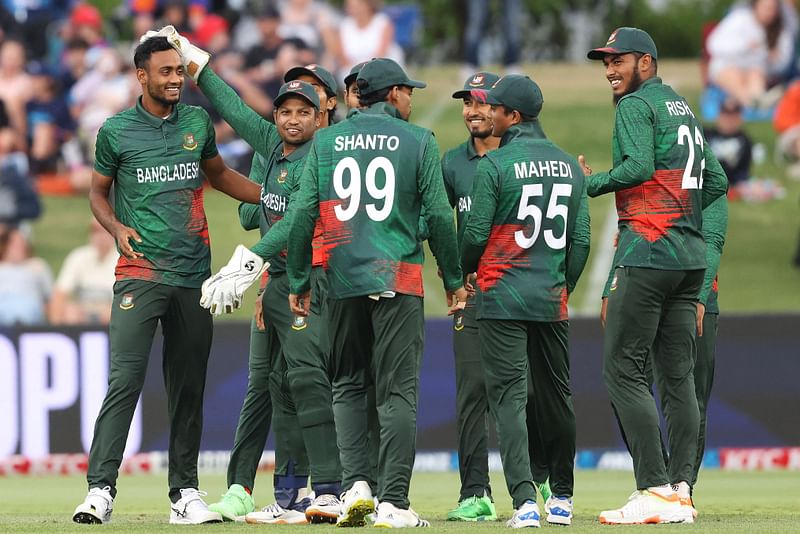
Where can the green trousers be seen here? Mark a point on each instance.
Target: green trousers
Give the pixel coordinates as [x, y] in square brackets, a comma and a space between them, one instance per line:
[652, 311]
[384, 339]
[513, 351]
[703, 382]
[137, 308]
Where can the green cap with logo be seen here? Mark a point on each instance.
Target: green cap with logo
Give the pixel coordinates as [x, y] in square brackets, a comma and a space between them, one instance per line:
[477, 85]
[299, 89]
[381, 73]
[517, 92]
[353, 74]
[624, 41]
[320, 73]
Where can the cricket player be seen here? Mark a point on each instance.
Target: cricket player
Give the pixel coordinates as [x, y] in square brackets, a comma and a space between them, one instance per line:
[350, 87]
[527, 237]
[325, 85]
[367, 178]
[715, 227]
[295, 362]
[153, 154]
[664, 175]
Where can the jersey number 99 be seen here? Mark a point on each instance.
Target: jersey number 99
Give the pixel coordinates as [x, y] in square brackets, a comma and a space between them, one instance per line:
[351, 193]
[554, 210]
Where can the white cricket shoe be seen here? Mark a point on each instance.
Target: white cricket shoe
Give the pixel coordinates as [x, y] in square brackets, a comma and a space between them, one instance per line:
[390, 516]
[526, 516]
[559, 510]
[647, 506]
[191, 509]
[324, 509]
[96, 508]
[357, 503]
[275, 514]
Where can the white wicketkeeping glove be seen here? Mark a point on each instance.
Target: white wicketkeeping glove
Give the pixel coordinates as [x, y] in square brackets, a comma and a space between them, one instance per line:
[193, 57]
[166, 31]
[222, 292]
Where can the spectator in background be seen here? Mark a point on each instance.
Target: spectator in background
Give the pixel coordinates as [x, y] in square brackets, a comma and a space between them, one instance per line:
[49, 121]
[212, 34]
[19, 200]
[732, 146]
[25, 281]
[366, 33]
[175, 13]
[477, 22]
[73, 63]
[86, 23]
[84, 288]
[750, 50]
[14, 83]
[315, 24]
[787, 124]
[259, 59]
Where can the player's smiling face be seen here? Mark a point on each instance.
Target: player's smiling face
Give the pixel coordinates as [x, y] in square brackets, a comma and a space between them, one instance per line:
[478, 117]
[502, 120]
[622, 72]
[297, 120]
[164, 77]
[327, 103]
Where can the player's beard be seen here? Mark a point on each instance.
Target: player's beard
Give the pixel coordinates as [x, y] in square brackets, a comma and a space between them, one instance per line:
[481, 134]
[636, 82]
[160, 97]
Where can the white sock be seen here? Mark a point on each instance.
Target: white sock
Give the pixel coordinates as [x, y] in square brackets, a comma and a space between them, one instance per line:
[664, 490]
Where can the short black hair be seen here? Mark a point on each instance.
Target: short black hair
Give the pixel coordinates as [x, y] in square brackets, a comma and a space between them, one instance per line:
[368, 99]
[143, 52]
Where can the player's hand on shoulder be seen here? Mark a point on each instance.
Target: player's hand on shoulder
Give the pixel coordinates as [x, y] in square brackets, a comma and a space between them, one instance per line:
[124, 235]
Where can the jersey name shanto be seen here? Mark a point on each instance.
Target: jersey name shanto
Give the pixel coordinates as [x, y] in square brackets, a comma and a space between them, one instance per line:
[166, 173]
[554, 168]
[366, 142]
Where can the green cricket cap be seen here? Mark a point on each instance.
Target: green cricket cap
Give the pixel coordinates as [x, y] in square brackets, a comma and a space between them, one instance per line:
[353, 74]
[477, 85]
[517, 92]
[320, 73]
[297, 88]
[624, 41]
[381, 73]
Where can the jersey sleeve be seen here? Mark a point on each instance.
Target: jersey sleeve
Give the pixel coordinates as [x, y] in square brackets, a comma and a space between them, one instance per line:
[249, 213]
[257, 131]
[634, 125]
[580, 242]
[210, 148]
[301, 225]
[106, 152]
[715, 228]
[715, 181]
[439, 216]
[449, 187]
[485, 196]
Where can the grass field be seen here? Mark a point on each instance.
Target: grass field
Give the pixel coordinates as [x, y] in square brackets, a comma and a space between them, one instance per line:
[755, 275]
[728, 502]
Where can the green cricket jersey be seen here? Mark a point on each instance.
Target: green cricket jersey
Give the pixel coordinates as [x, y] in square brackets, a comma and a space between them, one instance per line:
[715, 228]
[281, 174]
[528, 231]
[367, 179]
[664, 175]
[158, 190]
[458, 169]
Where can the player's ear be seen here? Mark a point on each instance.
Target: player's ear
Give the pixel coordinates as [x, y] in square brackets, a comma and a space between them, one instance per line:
[317, 118]
[141, 76]
[645, 62]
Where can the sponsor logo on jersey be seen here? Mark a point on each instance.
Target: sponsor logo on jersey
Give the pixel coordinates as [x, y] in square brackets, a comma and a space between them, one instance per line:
[189, 142]
[282, 176]
[477, 80]
[127, 302]
[299, 322]
[612, 37]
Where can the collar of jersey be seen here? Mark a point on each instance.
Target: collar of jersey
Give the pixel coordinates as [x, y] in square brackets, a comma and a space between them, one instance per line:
[655, 80]
[470, 148]
[382, 108]
[298, 153]
[151, 119]
[526, 130]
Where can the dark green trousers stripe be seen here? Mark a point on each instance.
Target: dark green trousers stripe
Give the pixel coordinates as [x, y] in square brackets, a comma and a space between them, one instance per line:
[137, 308]
[653, 311]
[513, 351]
[383, 338]
[704, 381]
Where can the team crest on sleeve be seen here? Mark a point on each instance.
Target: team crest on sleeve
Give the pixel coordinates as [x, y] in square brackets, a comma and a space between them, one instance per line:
[299, 322]
[189, 142]
[127, 302]
[282, 176]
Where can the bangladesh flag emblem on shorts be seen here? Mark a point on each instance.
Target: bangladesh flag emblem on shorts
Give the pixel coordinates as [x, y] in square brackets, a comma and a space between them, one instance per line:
[189, 142]
[127, 302]
[299, 322]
